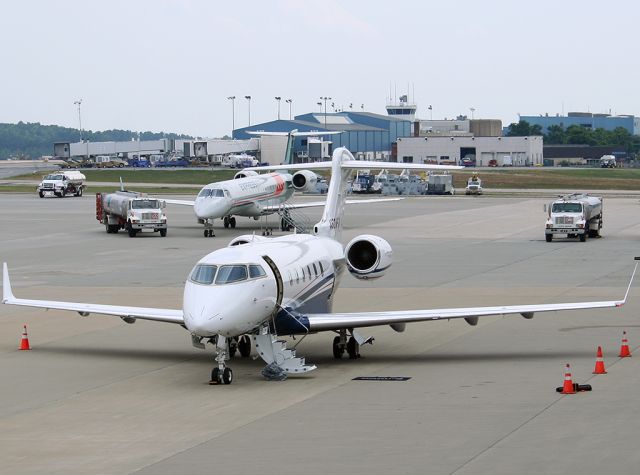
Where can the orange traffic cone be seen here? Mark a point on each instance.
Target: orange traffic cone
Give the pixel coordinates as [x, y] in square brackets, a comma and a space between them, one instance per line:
[568, 387]
[24, 343]
[625, 352]
[599, 369]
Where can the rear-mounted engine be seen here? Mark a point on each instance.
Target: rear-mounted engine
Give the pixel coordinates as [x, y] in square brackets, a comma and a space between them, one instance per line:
[368, 256]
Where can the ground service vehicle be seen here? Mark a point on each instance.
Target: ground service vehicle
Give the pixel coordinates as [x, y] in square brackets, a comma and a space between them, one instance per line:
[131, 211]
[62, 183]
[440, 184]
[608, 161]
[474, 185]
[574, 215]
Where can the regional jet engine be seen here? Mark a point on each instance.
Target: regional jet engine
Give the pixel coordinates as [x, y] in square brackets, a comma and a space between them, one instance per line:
[244, 174]
[305, 180]
[368, 256]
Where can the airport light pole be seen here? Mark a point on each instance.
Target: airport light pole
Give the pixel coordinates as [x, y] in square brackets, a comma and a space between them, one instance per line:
[248, 98]
[319, 104]
[233, 113]
[472, 109]
[289, 101]
[430, 112]
[325, 99]
[79, 103]
[278, 99]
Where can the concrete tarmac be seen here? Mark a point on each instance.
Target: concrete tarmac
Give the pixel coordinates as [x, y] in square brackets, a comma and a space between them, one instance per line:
[97, 395]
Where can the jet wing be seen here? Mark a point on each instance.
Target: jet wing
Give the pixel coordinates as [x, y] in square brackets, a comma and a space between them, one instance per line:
[155, 314]
[314, 204]
[337, 321]
[359, 165]
[179, 202]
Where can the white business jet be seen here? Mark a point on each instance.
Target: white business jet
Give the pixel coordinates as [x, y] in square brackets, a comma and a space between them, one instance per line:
[253, 195]
[260, 288]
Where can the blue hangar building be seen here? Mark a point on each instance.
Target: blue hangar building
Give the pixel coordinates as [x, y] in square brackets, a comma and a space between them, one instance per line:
[365, 134]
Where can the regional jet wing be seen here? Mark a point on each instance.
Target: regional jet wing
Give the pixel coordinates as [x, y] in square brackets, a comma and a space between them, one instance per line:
[358, 165]
[314, 204]
[179, 202]
[155, 314]
[337, 321]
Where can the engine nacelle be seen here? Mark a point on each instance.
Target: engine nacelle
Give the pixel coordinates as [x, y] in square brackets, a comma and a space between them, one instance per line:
[368, 256]
[244, 174]
[304, 180]
[245, 239]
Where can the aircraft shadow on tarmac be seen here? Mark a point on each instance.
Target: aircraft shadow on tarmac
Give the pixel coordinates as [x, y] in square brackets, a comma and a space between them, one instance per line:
[321, 360]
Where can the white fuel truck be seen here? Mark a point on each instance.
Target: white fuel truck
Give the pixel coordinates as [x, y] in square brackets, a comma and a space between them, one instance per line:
[575, 215]
[131, 211]
[62, 183]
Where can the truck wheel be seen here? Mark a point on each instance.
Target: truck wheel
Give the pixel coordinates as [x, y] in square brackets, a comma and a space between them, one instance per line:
[548, 237]
[107, 227]
[583, 237]
[41, 194]
[79, 192]
[132, 232]
[163, 232]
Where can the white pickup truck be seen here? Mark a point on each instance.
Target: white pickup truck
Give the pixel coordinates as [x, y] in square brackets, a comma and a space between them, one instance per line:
[60, 184]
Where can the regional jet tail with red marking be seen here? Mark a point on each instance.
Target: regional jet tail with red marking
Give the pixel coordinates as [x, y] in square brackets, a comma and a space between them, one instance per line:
[258, 289]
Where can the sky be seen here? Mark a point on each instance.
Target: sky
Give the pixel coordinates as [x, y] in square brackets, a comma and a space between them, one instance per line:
[170, 65]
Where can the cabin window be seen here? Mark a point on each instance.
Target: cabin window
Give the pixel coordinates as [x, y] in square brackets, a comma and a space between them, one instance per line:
[309, 271]
[256, 271]
[321, 269]
[231, 274]
[315, 269]
[297, 277]
[290, 278]
[203, 274]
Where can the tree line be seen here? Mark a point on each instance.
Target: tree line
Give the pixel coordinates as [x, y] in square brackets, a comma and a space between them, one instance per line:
[32, 140]
[578, 135]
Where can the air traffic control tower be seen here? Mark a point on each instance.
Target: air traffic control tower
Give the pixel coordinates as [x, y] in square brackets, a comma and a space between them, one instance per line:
[402, 109]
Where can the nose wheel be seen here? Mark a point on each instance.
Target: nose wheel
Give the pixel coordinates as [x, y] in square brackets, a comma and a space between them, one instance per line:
[221, 374]
[208, 229]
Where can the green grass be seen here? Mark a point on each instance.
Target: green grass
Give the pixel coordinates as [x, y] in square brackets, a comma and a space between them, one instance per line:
[152, 190]
[179, 177]
[569, 179]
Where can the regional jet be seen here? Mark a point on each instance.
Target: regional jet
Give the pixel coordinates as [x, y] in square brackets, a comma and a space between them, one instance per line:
[261, 288]
[253, 195]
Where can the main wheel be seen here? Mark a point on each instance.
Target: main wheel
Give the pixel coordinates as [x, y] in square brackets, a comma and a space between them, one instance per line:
[244, 346]
[352, 348]
[206, 233]
[215, 376]
[338, 350]
[232, 221]
[233, 347]
[548, 237]
[227, 376]
[226, 222]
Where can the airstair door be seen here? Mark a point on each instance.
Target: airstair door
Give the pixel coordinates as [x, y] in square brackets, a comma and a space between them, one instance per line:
[279, 283]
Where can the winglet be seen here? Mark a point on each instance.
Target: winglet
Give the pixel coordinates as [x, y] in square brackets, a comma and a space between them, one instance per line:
[6, 284]
[620, 304]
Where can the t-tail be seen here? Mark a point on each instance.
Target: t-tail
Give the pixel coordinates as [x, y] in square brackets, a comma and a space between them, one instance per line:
[331, 223]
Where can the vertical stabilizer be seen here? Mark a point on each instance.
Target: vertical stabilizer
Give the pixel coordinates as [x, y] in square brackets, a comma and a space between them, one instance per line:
[331, 223]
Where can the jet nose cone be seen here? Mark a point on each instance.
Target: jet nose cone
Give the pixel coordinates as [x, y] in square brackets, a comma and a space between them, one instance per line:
[207, 208]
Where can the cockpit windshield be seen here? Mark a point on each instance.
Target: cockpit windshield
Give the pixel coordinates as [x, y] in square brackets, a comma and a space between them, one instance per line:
[230, 274]
[145, 204]
[206, 273]
[203, 274]
[566, 208]
[211, 192]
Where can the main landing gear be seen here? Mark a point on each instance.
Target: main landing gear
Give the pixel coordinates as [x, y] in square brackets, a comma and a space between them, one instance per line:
[225, 349]
[229, 221]
[342, 344]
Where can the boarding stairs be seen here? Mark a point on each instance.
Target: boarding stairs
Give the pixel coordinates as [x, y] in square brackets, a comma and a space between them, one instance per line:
[272, 350]
[295, 219]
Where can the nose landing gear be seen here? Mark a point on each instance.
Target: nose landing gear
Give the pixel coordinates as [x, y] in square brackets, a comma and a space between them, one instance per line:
[221, 374]
[208, 228]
